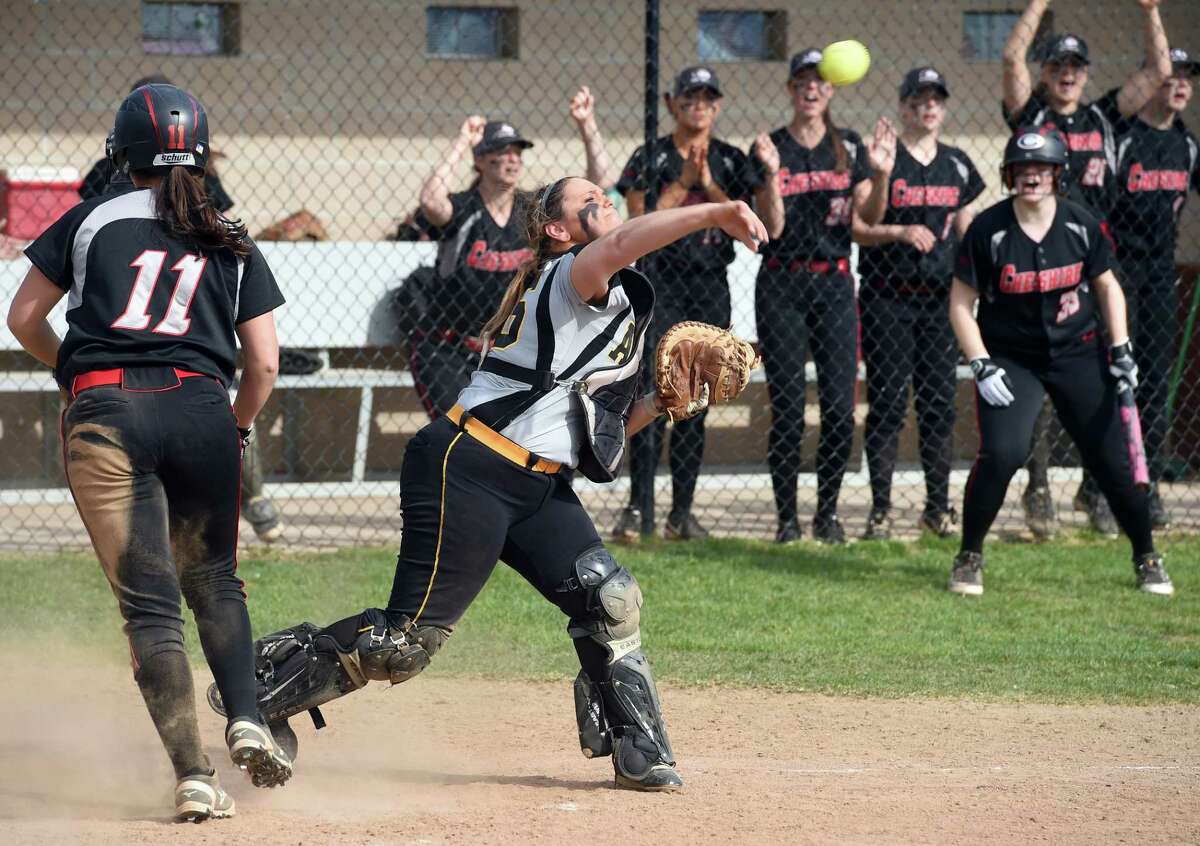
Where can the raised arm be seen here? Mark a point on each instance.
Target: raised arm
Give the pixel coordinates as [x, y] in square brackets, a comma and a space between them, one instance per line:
[583, 112]
[768, 201]
[599, 260]
[1018, 85]
[1155, 69]
[435, 193]
[27, 316]
[871, 195]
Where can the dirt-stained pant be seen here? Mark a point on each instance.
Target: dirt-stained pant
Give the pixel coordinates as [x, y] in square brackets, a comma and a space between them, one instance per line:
[154, 475]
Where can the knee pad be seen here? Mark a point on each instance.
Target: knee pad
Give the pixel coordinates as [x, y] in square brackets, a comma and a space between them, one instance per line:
[611, 600]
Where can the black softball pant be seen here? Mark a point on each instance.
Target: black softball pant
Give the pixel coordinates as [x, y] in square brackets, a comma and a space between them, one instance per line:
[908, 339]
[1084, 395]
[155, 478]
[798, 313]
[441, 369]
[702, 296]
[1152, 305]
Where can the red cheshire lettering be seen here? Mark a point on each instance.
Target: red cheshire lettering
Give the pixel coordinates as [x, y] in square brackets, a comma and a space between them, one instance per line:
[1050, 279]
[1085, 140]
[497, 261]
[905, 195]
[1141, 179]
[812, 180]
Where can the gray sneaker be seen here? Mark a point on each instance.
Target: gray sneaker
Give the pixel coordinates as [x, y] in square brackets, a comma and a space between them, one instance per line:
[252, 748]
[1040, 516]
[879, 525]
[628, 528]
[200, 797]
[264, 518]
[1152, 575]
[940, 523]
[1100, 517]
[967, 576]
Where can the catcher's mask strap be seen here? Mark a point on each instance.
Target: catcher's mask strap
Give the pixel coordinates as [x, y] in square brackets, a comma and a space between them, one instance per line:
[542, 380]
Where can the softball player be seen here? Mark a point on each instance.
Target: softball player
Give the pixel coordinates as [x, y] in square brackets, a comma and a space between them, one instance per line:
[905, 267]
[556, 390]
[1158, 159]
[481, 245]
[804, 298]
[1040, 269]
[690, 166]
[159, 283]
[1057, 102]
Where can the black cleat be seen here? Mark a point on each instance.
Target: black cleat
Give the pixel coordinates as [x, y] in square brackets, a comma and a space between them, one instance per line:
[789, 532]
[684, 527]
[967, 576]
[940, 523]
[661, 779]
[879, 525]
[628, 528]
[828, 530]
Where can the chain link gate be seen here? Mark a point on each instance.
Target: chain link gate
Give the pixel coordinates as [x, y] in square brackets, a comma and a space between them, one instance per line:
[344, 139]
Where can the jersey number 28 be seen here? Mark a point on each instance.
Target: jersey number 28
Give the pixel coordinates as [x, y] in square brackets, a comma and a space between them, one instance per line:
[176, 321]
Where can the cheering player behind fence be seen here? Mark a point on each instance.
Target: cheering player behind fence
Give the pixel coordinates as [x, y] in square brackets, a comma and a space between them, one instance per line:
[1057, 103]
[481, 244]
[690, 166]
[1040, 269]
[1158, 160]
[906, 264]
[804, 297]
[160, 283]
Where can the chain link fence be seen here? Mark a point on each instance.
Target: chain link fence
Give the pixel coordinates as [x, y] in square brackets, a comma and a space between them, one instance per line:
[343, 137]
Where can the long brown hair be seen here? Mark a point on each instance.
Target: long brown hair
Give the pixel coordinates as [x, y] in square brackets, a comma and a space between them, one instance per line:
[182, 204]
[840, 157]
[545, 207]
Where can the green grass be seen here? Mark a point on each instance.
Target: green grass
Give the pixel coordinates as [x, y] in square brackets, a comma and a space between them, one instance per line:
[1059, 623]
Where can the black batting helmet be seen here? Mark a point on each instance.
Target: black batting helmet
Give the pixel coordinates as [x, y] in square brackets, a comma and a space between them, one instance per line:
[1040, 144]
[159, 127]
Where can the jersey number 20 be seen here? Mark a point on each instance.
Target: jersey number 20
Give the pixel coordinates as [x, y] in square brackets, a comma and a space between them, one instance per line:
[176, 321]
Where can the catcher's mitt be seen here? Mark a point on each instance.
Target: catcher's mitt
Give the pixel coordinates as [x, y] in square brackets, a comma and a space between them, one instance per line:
[696, 364]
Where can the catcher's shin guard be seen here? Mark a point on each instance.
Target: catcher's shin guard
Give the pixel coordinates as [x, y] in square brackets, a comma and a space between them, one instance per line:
[619, 713]
[301, 668]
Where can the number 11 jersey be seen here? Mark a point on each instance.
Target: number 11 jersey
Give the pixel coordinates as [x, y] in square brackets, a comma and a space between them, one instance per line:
[139, 295]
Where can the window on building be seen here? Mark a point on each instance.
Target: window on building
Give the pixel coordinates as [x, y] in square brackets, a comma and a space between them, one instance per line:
[984, 34]
[190, 29]
[461, 32]
[743, 36]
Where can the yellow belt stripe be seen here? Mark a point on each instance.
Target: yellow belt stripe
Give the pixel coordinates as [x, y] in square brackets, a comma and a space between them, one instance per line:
[437, 554]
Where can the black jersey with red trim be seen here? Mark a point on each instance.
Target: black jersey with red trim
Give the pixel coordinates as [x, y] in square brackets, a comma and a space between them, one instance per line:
[137, 295]
[477, 258]
[1034, 298]
[707, 249]
[1091, 147]
[817, 198]
[1155, 170]
[922, 195]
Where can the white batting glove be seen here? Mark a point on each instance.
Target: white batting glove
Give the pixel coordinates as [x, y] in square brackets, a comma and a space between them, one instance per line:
[993, 383]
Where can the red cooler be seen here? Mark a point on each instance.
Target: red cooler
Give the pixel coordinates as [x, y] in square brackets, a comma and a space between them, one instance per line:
[33, 198]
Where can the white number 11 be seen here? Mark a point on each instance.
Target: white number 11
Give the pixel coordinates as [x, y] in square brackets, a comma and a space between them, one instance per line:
[176, 321]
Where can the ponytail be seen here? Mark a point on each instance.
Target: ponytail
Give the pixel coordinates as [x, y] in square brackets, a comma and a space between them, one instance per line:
[840, 157]
[544, 207]
[182, 204]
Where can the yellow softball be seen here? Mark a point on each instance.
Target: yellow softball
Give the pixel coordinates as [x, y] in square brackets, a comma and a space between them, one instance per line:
[844, 62]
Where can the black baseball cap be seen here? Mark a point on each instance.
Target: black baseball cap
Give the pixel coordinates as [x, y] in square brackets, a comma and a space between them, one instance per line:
[918, 79]
[497, 134]
[695, 78]
[1066, 46]
[804, 60]
[1181, 61]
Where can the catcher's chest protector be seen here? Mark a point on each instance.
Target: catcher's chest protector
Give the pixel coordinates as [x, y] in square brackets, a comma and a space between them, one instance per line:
[590, 355]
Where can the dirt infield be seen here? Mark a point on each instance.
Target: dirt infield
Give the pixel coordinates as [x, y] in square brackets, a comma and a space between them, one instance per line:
[452, 761]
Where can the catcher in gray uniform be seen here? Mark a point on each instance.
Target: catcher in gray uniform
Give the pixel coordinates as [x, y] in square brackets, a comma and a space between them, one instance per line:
[558, 388]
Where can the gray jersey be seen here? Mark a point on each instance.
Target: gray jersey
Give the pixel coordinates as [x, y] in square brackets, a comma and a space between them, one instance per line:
[552, 330]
